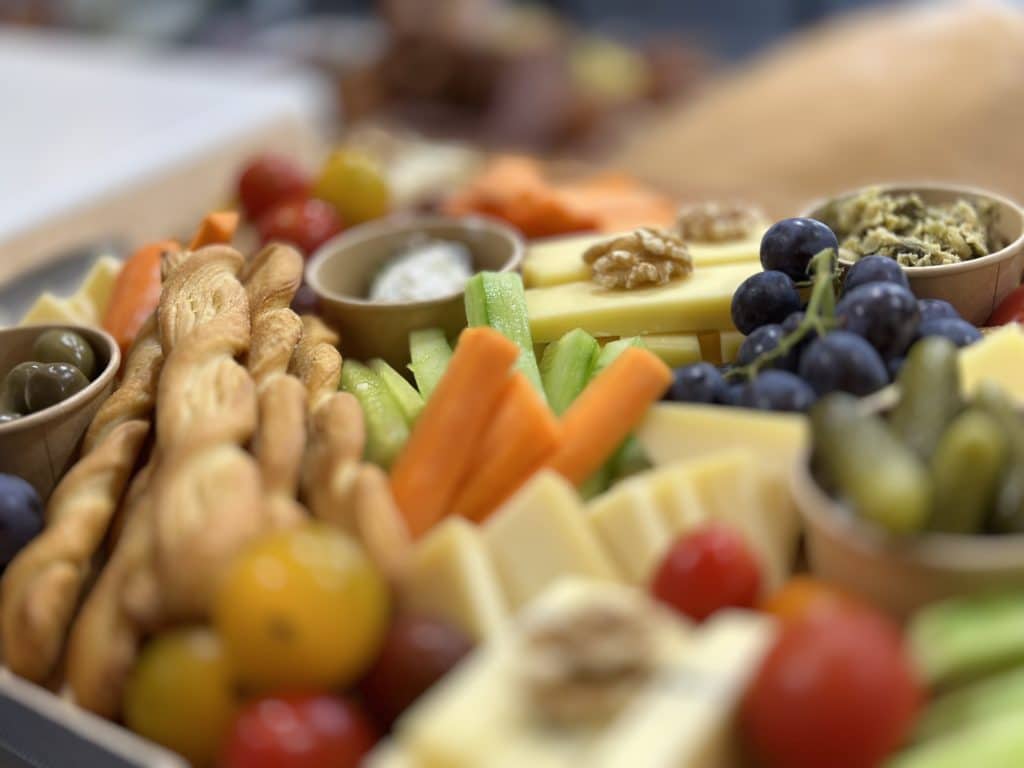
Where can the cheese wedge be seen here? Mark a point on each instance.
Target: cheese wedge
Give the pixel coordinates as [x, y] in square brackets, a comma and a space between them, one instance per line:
[998, 357]
[481, 717]
[675, 349]
[558, 260]
[86, 306]
[672, 432]
[542, 534]
[451, 576]
[731, 341]
[630, 524]
[700, 301]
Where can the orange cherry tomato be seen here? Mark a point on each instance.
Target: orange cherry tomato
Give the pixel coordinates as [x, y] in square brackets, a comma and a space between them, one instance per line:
[803, 596]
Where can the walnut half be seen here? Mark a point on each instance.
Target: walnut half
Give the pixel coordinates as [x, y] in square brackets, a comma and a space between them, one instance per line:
[583, 663]
[643, 258]
[717, 222]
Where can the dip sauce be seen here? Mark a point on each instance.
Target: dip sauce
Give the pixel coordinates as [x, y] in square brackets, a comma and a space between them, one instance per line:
[426, 269]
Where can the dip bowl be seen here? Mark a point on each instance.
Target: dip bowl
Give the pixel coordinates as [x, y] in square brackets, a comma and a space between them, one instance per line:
[40, 447]
[974, 287]
[341, 270]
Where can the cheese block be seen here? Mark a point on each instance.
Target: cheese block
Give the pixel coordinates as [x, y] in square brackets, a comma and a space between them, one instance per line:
[672, 432]
[629, 522]
[542, 534]
[998, 357]
[675, 349]
[681, 717]
[731, 341]
[451, 576]
[558, 260]
[86, 306]
[698, 302]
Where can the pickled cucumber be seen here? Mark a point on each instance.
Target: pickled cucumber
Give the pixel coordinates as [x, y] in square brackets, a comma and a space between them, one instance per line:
[966, 467]
[929, 385]
[1007, 514]
[883, 480]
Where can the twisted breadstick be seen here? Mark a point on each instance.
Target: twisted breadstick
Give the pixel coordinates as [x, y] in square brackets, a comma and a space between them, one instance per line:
[42, 585]
[317, 362]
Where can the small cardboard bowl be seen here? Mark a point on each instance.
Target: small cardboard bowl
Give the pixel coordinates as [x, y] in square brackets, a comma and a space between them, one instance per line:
[41, 447]
[341, 270]
[900, 575]
[974, 287]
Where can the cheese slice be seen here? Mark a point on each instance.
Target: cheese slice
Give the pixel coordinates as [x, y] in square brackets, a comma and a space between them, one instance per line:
[675, 349]
[700, 301]
[998, 357]
[559, 260]
[629, 522]
[451, 576]
[86, 306]
[542, 534]
[672, 432]
[731, 341]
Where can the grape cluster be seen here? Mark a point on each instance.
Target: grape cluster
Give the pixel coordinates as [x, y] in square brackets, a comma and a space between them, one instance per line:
[794, 352]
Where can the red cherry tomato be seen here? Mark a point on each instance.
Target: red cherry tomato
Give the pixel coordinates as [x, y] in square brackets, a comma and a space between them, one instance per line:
[306, 224]
[803, 596]
[836, 690]
[1010, 309]
[269, 180]
[416, 653]
[299, 731]
[708, 569]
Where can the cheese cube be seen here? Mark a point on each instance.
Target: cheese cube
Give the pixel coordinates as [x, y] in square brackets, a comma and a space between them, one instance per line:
[98, 286]
[731, 341]
[86, 306]
[631, 526]
[542, 534]
[51, 309]
[675, 349]
[700, 301]
[672, 432]
[558, 260]
[451, 576]
[998, 357]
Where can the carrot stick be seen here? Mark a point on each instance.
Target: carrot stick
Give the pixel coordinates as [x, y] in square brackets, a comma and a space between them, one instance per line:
[217, 228]
[522, 436]
[441, 448]
[136, 292]
[607, 410]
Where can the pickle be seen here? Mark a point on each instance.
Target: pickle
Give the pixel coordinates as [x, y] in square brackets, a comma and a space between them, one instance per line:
[882, 480]
[966, 467]
[1007, 514]
[929, 384]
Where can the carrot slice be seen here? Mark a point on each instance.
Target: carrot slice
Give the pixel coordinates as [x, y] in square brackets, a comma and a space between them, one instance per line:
[136, 292]
[441, 448]
[522, 436]
[217, 228]
[607, 410]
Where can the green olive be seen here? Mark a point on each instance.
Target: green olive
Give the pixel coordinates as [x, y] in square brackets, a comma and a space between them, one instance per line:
[52, 383]
[14, 386]
[63, 346]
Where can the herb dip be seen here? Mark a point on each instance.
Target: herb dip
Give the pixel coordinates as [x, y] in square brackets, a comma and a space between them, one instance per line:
[426, 269]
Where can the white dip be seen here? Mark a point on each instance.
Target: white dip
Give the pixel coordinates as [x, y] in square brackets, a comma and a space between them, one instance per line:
[427, 269]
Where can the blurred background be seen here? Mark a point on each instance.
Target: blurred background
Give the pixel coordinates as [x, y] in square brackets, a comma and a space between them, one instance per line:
[127, 118]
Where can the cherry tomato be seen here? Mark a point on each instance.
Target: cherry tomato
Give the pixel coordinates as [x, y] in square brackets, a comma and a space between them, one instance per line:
[803, 596]
[307, 224]
[416, 653]
[302, 609]
[1010, 309]
[299, 731]
[708, 569]
[355, 185]
[180, 695]
[269, 180]
[836, 690]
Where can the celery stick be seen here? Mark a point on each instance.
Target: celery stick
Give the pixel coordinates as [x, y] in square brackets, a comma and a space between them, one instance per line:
[405, 394]
[611, 351]
[386, 430]
[496, 299]
[430, 354]
[565, 368]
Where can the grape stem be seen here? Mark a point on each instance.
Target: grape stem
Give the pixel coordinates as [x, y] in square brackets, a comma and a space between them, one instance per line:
[819, 317]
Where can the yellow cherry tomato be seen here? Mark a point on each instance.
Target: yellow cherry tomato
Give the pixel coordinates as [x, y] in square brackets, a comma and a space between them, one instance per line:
[180, 694]
[302, 609]
[355, 185]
